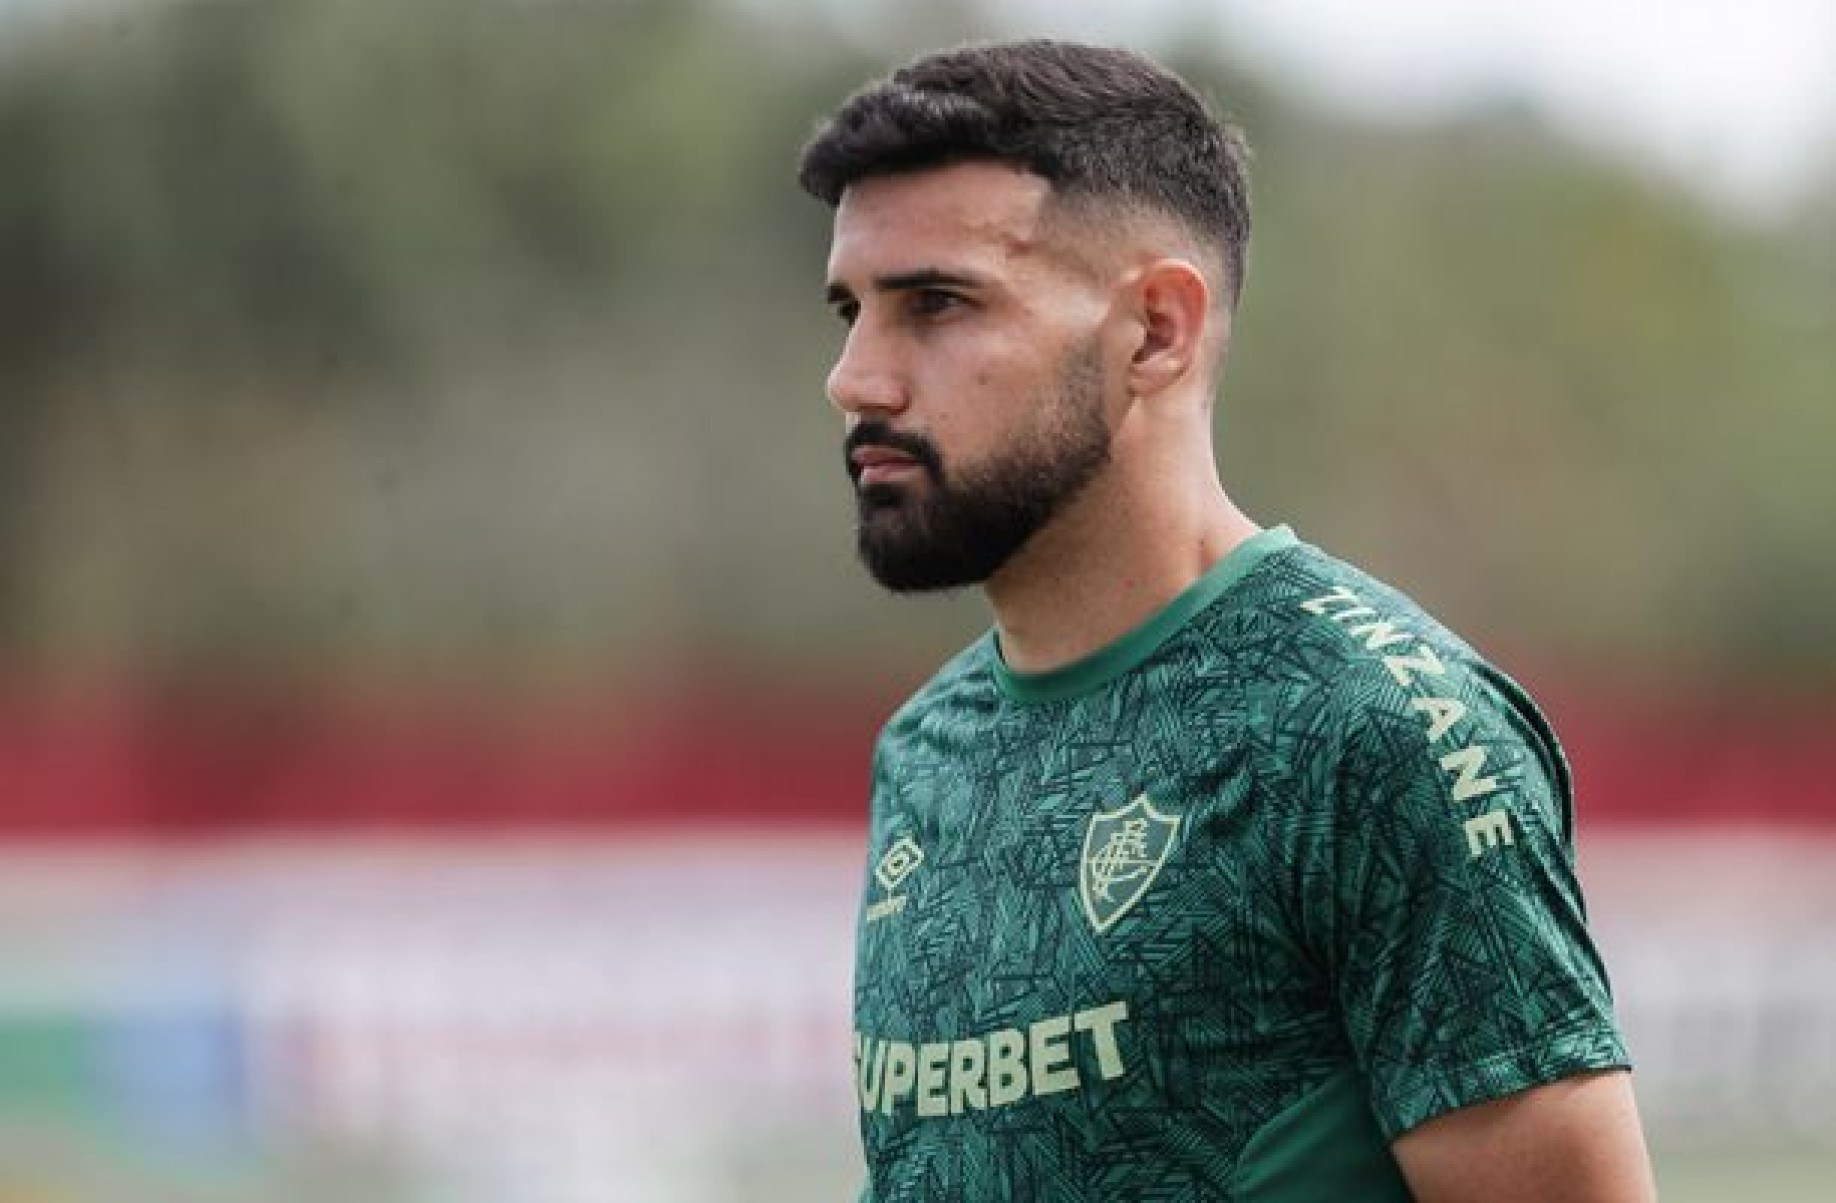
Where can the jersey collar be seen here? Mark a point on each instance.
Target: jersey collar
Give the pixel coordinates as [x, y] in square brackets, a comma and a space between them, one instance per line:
[1111, 661]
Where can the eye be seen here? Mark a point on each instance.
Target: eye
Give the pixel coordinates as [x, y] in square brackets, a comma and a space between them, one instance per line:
[847, 311]
[935, 302]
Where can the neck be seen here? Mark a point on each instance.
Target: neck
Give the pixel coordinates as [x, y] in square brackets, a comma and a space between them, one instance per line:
[1127, 546]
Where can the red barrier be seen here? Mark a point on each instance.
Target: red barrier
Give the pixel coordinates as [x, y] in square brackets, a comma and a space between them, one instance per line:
[232, 762]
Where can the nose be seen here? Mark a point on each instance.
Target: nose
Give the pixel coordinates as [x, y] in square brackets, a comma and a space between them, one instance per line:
[865, 376]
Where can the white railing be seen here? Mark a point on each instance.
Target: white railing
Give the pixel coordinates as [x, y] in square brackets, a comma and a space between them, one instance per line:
[537, 1020]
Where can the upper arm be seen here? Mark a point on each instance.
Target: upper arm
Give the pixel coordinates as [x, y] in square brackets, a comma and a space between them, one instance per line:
[1463, 967]
[1577, 1139]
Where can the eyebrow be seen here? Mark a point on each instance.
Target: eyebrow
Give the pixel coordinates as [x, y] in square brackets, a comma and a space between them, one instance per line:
[924, 277]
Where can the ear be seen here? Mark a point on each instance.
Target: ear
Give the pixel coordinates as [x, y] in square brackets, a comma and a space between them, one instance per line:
[1172, 302]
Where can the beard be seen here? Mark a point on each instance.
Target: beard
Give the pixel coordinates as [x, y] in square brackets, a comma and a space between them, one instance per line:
[960, 525]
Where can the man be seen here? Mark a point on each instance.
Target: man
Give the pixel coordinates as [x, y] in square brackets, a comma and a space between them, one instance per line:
[1217, 869]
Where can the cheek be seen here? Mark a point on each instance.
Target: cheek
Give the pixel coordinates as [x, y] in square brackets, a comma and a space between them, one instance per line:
[998, 373]
[981, 390]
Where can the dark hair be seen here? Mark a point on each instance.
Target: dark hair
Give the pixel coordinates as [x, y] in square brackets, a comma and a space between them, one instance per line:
[1094, 122]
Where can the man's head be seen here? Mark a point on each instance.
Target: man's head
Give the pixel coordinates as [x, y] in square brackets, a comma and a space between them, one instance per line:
[1029, 238]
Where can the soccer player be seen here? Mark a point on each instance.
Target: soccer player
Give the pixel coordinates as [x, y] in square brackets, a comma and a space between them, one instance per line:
[1216, 869]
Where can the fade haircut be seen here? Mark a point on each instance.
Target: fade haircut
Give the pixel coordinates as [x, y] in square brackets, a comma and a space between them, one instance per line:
[1097, 124]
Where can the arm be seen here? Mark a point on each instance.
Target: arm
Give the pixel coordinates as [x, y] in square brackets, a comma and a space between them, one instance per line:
[1474, 999]
[1577, 1140]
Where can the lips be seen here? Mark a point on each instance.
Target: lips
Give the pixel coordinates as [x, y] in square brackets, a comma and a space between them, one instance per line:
[878, 454]
[869, 458]
[875, 465]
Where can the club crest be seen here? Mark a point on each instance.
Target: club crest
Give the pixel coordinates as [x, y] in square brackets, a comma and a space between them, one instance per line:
[1123, 852]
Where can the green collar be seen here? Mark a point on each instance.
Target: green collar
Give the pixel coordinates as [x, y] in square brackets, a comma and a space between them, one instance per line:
[1107, 663]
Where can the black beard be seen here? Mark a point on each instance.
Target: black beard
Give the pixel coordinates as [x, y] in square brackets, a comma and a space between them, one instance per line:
[954, 532]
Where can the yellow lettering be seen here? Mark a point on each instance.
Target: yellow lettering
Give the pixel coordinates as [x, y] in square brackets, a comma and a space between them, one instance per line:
[1051, 1056]
[885, 907]
[966, 1077]
[1442, 714]
[1487, 831]
[872, 1069]
[1467, 762]
[1320, 605]
[1006, 1067]
[1378, 635]
[1404, 668]
[933, 1064]
[1101, 1023]
[900, 1064]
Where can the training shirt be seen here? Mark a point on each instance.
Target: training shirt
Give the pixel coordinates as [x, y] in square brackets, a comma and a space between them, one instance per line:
[1219, 911]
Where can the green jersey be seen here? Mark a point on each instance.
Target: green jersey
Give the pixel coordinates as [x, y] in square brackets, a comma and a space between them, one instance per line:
[1219, 911]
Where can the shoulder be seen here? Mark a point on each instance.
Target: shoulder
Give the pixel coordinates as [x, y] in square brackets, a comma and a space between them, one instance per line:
[1369, 699]
[958, 691]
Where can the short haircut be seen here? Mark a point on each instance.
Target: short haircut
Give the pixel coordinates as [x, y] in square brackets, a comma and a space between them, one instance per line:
[1097, 124]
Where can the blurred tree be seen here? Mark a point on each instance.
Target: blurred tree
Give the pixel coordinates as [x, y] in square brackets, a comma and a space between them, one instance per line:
[354, 338]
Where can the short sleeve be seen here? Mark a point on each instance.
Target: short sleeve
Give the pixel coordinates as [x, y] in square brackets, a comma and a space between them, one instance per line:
[1457, 939]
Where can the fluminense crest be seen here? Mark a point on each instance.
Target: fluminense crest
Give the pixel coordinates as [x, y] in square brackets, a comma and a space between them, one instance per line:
[1123, 853]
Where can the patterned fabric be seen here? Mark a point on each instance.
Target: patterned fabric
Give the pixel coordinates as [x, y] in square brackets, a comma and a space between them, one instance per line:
[1219, 911]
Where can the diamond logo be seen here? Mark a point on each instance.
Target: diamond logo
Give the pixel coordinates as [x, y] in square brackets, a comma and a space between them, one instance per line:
[897, 864]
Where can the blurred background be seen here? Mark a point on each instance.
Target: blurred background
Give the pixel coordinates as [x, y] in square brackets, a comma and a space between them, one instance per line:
[435, 685]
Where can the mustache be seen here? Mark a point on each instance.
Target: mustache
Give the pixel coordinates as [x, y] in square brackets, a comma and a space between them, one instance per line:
[879, 434]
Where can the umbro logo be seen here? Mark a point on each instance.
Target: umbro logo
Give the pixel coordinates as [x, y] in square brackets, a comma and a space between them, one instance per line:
[895, 865]
[898, 863]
